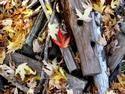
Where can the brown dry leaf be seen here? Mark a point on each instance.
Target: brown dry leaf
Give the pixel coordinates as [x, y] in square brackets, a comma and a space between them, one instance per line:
[108, 10]
[8, 5]
[120, 85]
[2, 55]
[77, 57]
[31, 84]
[121, 79]
[116, 85]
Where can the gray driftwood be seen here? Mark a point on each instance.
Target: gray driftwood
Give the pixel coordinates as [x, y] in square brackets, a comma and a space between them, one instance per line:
[101, 80]
[89, 62]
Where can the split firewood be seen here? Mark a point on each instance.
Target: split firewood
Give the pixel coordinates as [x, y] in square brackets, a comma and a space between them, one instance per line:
[81, 31]
[101, 79]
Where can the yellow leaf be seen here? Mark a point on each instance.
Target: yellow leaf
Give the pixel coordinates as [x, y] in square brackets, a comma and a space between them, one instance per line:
[49, 9]
[57, 76]
[62, 72]
[9, 29]
[23, 70]
[99, 7]
[27, 13]
[114, 3]
[2, 55]
[17, 42]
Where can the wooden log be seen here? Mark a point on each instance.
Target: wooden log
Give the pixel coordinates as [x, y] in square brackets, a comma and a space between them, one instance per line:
[101, 79]
[89, 62]
[118, 54]
[68, 57]
[38, 25]
[19, 59]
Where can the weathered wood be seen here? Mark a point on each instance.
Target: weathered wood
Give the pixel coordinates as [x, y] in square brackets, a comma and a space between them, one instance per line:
[38, 25]
[76, 84]
[68, 57]
[19, 59]
[101, 79]
[118, 54]
[89, 62]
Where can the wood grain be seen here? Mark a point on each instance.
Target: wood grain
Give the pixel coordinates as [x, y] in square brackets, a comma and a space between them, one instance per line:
[89, 62]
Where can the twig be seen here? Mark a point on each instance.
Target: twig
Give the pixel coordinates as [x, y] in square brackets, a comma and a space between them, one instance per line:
[44, 8]
[46, 48]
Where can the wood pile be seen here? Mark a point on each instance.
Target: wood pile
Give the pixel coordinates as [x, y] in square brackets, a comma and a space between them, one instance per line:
[62, 47]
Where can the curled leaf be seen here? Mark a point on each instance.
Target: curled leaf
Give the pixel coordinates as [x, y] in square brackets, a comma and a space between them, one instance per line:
[23, 70]
[114, 3]
[99, 6]
[49, 9]
[27, 13]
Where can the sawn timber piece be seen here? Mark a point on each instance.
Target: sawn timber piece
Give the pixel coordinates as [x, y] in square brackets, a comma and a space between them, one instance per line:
[89, 62]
